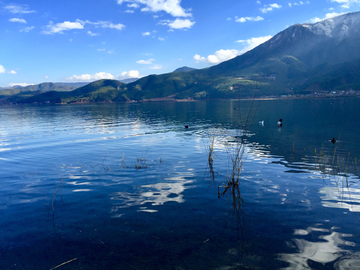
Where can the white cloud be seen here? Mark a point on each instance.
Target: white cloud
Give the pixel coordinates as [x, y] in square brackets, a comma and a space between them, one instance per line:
[300, 3]
[17, 20]
[128, 74]
[104, 50]
[180, 24]
[2, 69]
[346, 3]
[244, 19]
[251, 43]
[12, 72]
[129, 11]
[20, 84]
[224, 55]
[79, 24]
[104, 24]
[27, 29]
[327, 16]
[18, 9]
[156, 67]
[258, 2]
[61, 27]
[270, 7]
[171, 7]
[218, 57]
[92, 34]
[118, 26]
[315, 20]
[161, 38]
[146, 34]
[145, 62]
[88, 77]
[133, 5]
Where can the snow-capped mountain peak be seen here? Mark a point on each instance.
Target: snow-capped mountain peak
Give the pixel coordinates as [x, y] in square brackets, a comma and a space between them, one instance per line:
[338, 27]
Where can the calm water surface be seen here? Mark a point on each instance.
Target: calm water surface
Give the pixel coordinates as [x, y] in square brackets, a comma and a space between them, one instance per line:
[127, 186]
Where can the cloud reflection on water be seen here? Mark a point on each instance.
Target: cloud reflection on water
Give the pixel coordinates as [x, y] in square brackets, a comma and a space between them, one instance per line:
[325, 250]
[152, 194]
[345, 198]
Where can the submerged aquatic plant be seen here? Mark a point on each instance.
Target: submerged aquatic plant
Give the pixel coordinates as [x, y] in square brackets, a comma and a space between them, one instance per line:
[235, 147]
[141, 162]
[339, 169]
[328, 162]
[122, 165]
[235, 153]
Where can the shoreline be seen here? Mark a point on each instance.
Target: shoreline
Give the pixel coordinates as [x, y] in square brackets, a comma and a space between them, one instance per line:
[172, 99]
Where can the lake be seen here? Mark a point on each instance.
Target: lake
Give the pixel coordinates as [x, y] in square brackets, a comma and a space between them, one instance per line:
[128, 186]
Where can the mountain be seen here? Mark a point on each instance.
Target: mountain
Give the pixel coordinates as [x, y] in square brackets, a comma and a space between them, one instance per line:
[301, 53]
[302, 59]
[98, 91]
[38, 89]
[18, 93]
[184, 69]
[49, 86]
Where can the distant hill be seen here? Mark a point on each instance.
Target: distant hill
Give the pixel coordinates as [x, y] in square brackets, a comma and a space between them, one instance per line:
[98, 91]
[72, 84]
[16, 93]
[184, 69]
[43, 87]
[302, 59]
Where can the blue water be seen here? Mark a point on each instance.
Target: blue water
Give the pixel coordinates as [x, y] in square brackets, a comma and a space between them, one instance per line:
[127, 186]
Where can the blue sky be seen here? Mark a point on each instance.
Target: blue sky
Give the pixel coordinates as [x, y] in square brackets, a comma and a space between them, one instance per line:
[87, 40]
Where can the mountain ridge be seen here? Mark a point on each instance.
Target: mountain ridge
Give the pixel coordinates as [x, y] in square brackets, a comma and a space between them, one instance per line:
[324, 56]
[184, 69]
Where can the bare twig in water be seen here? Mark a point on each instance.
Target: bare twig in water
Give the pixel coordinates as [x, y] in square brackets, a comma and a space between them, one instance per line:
[53, 201]
[123, 161]
[141, 162]
[105, 168]
[211, 158]
[355, 164]
[63, 264]
[235, 156]
[95, 165]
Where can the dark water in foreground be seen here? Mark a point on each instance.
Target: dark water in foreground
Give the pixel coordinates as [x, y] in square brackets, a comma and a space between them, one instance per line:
[126, 186]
